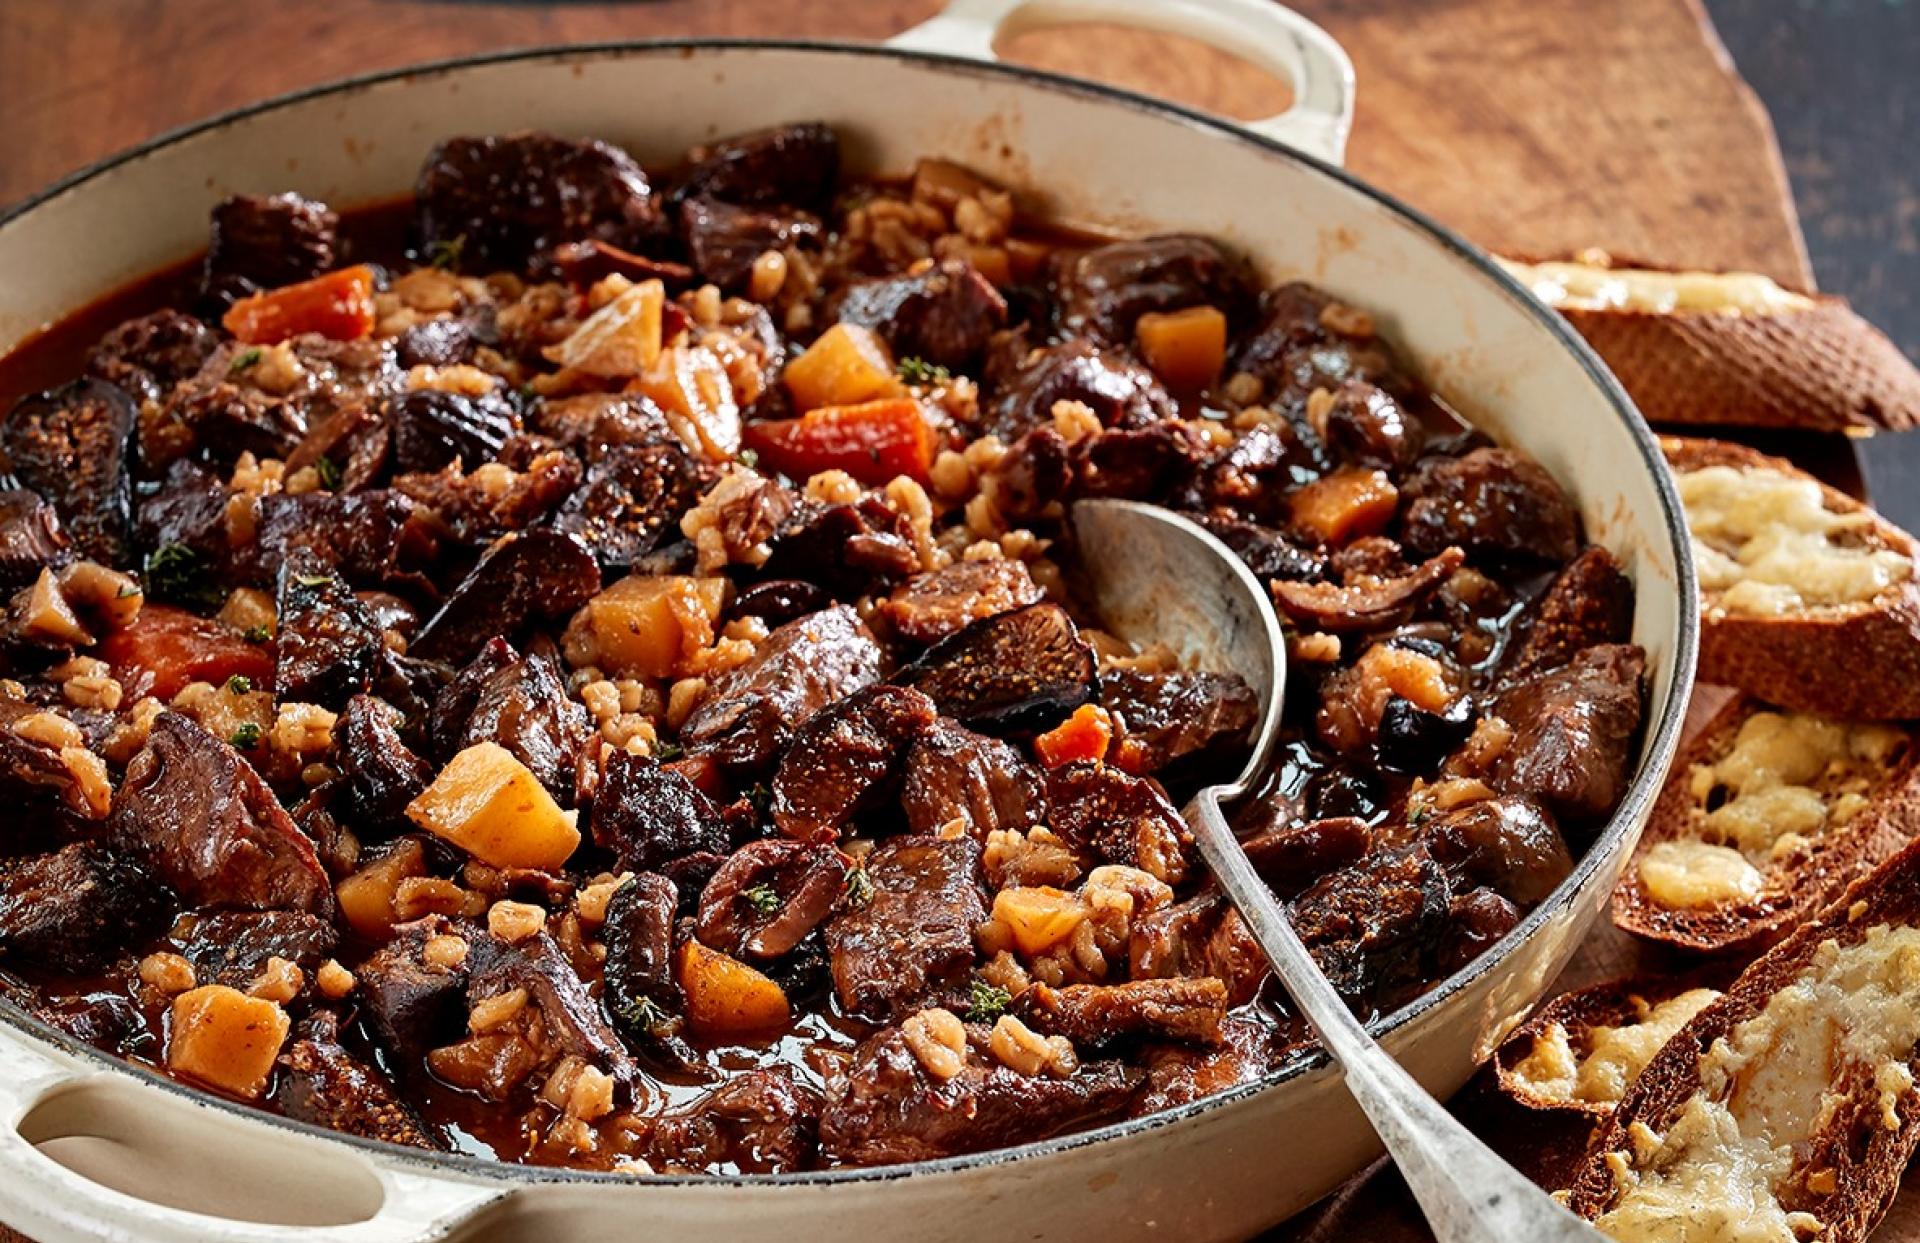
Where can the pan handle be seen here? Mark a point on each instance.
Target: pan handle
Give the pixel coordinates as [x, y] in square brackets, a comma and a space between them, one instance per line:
[54, 1204]
[1261, 32]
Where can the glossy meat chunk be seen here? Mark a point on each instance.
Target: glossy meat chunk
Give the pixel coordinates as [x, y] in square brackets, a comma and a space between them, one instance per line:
[431, 428]
[1091, 1015]
[910, 945]
[1178, 1074]
[146, 357]
[200, 819]
[1510, 845]
[413, 1003]
[76, 909]
[379, 772]
[944, 315]
[851, 549]
[1104, 814]
[520, 702]
[241, 401]
[502, 200]
[1498, 504]
[1201, 937]
[1119, 391]
[31, 538]
[327, 645]
[953, 774]
[724, 239]
[1169, 716]
[649, 815]
[1020, 670]
[233, 947]
[763, 1122]
[1103, 292]
[1267, 552]
[1297, 343]
[846, 758]
[891, 1109]
[1589, 603]
[262, 241]
[1373, 926]
[572, 1018]
[525, 579]
[793, 164]
[768, 896]
[71, 445]
[1574, 730]
[374, 538]
[749, 715]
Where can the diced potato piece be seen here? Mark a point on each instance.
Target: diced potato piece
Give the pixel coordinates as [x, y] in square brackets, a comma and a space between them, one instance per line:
[487, 803]
[1345, 505]
[846, 366]
[226, 1039]
[691, 386]
[1186, 348]
[366, 897]
[622, 338]
[646, 627]
[726, 997]
[1039, 916]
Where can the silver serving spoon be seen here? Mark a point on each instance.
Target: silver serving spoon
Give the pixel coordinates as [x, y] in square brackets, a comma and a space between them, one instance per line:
[1157, 577]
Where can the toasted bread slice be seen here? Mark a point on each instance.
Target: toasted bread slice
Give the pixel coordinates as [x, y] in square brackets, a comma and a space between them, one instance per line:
[1788, 1108]
[1581, 1051]
[1810, 599]
[1731, 348]
[1767, 816]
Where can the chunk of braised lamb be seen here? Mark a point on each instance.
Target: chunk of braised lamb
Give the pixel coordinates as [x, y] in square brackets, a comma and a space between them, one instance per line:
[845, 759]
[795, 164]
[1138, 463]
[850, 549]
[232, 947]
[768, 896]
[432, 428]
[1372, 926]
[642, 996]
[890, 1109]
[632, 497]
[591, 420]
[441, 342]
[325, 645]
[1203, 936]
[265, 241]
[242, 402]
[71, 445]
[187, 508]
[1103, 813]
[724, 239]
[1475, 921]
[1119, 391]
[1301, 339]
[572, 1019]
[379, 772]
[526, 579]
[103, 1020]
[910, 945]
[1510, 845]
[520, 702]
[1289, 857]
[943, 315]
[1103, 292]
[1498, 504]
[778, 601]
[648, 815]
[1589, 603]
[1268, 553]
[414, 1002]
[499, 201]
[31, 538]
[762, 1122]
[1019, 670]
[1170, 716]
[77, 909]
[475, 507]
[1367, 426]
[1091, 1015]
[953, 774]
[147, 356]
[328, 1086]
[1574, 730]
[1177, 1074]
[373, 538]
[749, 714]
[353, 446]
[1036, 474]
[203, 822]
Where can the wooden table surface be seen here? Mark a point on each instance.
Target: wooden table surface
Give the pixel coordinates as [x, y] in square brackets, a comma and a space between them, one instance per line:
[1534, 126]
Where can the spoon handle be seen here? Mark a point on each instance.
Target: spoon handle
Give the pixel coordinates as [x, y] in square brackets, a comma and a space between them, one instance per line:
[1469, 1194]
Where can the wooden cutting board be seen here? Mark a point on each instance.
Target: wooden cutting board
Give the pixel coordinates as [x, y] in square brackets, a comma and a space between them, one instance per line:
[1533, 126]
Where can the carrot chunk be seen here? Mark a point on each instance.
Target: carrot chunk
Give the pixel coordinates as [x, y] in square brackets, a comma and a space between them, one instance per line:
[1083, 736]
[338, 305]
[873, 441]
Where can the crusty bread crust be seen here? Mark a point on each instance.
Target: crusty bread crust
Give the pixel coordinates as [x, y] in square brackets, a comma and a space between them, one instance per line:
[1609, 1003]
[1856, 662]
[1795, 886]
[1865, 1158]
[1820, 369]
